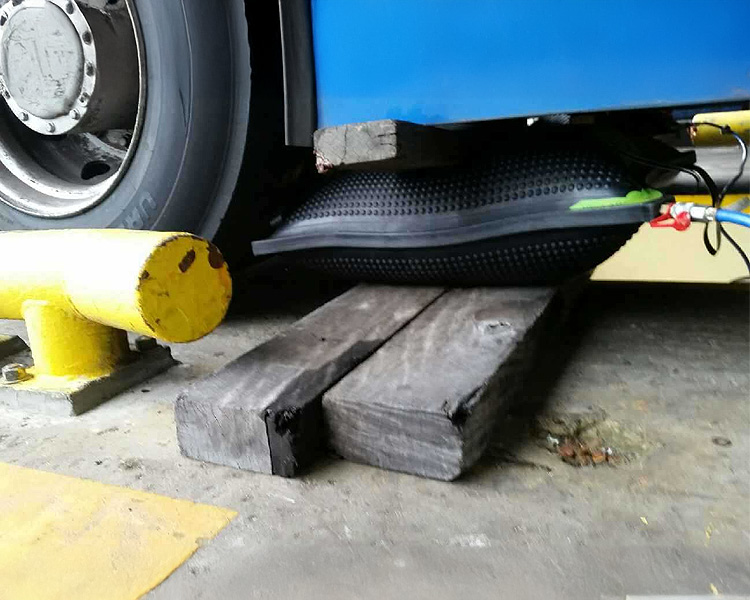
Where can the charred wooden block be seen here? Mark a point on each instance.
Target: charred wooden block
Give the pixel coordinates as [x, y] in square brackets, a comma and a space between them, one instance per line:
[10, 345]
[262, 411]
[426, 402]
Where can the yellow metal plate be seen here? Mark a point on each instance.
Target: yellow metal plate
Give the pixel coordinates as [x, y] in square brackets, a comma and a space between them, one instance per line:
[678, 256]
[64, 538]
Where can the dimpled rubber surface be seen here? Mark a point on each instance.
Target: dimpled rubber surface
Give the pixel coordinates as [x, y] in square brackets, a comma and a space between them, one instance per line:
[525, 259]
[505, 220]
[503, 179]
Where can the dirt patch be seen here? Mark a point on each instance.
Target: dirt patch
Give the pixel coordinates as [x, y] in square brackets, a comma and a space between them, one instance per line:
[588, 438]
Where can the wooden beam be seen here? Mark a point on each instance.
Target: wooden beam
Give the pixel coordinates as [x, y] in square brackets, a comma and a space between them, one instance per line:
[10, 345]
[262, 412]
[387, 145]
[426, 402]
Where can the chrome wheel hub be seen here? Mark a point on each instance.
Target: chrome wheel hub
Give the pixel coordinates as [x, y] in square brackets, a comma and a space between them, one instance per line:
[72, 79]
[47, 64]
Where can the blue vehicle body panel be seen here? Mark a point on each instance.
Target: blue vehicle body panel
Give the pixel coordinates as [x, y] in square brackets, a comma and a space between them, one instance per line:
[446, 61]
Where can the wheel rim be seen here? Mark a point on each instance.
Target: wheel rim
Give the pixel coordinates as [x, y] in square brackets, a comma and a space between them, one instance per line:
[65, 146]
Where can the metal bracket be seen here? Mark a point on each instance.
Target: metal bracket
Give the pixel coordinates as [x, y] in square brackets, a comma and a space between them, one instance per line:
[65, 396]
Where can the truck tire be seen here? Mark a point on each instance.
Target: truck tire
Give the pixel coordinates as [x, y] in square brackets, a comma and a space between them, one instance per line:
[194, 111]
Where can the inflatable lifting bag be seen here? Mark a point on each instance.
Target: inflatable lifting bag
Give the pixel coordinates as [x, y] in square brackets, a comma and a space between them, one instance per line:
[533, 217]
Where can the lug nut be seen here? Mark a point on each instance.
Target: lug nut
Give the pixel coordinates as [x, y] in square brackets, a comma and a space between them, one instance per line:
[14, 373]
[145, 344]
[75, 115]
[90, 69]
[51, 127]
[84, 98]
[24, 116]
[69, 8]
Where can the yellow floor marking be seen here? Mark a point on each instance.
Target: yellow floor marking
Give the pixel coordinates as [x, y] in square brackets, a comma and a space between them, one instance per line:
[677, 256]
[63, 538]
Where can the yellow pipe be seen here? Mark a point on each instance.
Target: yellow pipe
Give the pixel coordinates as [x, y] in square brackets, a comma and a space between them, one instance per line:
[707, 135]
[80, 290]
[65, 345]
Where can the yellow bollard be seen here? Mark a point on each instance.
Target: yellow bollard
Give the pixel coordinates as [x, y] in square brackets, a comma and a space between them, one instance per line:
[708, 135]
[64, 344]
[80, 291]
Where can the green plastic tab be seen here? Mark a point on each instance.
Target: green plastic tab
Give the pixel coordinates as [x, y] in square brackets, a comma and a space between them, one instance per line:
[634, 197]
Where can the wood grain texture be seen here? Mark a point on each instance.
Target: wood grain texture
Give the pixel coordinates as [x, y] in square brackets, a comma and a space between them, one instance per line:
[425, 403]
[10, 345]
[262, 411]
[386, 144]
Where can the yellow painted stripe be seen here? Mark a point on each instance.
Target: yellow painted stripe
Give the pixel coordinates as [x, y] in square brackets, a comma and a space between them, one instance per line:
[63, 538]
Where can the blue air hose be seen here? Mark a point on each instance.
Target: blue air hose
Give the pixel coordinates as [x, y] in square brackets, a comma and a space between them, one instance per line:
[733, 216]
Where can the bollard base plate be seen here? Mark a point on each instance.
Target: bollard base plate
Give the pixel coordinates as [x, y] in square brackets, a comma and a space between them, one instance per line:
[66, 396]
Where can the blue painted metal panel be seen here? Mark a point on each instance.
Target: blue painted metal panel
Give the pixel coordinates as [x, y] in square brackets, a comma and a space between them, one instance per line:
[441, 61]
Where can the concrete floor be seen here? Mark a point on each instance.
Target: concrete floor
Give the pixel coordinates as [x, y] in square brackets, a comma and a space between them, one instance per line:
[662, 375]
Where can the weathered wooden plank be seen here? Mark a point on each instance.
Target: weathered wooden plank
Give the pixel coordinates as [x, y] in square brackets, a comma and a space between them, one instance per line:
[425, 403]
[11, 345]
[386, 144]
[262, 411]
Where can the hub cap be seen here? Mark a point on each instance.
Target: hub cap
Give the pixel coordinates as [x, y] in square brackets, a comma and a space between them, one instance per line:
[47, 64]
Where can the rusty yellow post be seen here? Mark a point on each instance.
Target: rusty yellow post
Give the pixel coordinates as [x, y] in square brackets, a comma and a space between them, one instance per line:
[80, 291]
[708, 135]
[64, 344]
[171, 286]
